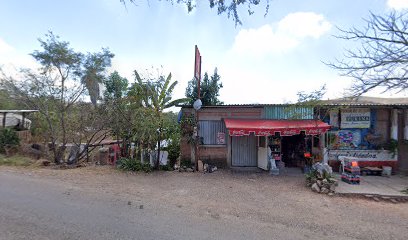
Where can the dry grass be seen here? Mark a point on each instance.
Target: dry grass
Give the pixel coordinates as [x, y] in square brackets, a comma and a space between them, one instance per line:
[15, 160]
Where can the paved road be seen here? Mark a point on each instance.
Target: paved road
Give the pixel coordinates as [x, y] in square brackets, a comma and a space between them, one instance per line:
[34, 208]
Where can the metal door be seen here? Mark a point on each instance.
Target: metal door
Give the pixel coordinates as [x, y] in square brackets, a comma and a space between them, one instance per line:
[244, 151]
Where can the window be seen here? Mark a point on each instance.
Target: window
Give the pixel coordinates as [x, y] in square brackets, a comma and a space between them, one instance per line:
[212, 132]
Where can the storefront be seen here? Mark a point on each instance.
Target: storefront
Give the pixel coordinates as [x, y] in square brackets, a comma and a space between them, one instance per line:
[245, 135]
[253, 141]
[364, 133]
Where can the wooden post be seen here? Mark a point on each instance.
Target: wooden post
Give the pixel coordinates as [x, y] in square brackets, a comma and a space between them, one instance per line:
[4, 119]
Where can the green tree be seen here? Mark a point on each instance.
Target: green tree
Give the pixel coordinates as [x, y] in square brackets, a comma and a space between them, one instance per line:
[381, 60]
[116, 87]
[95, 65]
[229, 7]
[156, 95]
[209, 89]
[55, 88]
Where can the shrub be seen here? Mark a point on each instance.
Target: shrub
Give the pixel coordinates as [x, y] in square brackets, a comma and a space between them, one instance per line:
[8, 137]
[128, 164]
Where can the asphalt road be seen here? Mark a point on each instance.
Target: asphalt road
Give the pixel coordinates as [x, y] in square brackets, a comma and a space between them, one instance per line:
[33, 208]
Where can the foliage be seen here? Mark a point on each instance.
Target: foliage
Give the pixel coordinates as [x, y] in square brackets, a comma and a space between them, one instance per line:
[57, 88]
[231, 7]
[155, 95]
[381, 60]
[115, 87]
[8, 137]
[95, 65]
[209, 89]
[5, 101]
[392, 146]
[128, 164]
[15, 160]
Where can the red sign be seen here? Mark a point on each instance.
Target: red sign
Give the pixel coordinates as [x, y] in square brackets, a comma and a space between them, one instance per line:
[197, 64]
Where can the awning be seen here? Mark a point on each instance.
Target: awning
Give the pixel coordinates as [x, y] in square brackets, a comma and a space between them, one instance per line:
[243, 127]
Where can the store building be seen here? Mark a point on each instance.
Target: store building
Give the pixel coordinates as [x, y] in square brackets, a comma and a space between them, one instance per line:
[240, 135]
[373, 130]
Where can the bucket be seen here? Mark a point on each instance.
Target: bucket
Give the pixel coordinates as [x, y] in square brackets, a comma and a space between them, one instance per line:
[386, 171]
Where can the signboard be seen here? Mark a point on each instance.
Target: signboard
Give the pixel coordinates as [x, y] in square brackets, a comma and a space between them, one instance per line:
[282, 132]
[197, 64]
[334, 118]
[355, 118]
[220, 138]
[364, 155]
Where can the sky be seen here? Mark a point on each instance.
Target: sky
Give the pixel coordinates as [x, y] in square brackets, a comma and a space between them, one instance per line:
[268, 59]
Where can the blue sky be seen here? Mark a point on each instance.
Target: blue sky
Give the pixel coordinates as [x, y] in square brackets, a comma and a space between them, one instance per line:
[266, 60]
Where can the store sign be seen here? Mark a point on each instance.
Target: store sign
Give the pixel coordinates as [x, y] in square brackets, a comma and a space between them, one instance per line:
[366, 155]
[282, 132]
[334, 118]
[355, 118]
[220, 138]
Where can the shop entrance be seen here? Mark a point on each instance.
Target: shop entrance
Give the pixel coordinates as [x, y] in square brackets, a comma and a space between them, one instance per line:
[293, 149]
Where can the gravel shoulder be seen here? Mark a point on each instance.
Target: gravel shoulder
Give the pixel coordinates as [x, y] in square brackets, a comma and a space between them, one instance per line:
[282, 204]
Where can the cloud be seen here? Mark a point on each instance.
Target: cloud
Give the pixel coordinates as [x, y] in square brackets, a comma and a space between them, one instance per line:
[397, 4]
[285, 35]
[4, 47]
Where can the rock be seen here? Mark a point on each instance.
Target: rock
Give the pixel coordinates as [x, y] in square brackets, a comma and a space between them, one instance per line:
[376, 199]
[189, 170]
[393, 200]
[385, 197]
[129, 203]
[324, 190]
[324, 181]
[45, 163]
[319, 183]
[315, 187]
[330, 194]
[200, 166]
[332, 188]
[368, 196]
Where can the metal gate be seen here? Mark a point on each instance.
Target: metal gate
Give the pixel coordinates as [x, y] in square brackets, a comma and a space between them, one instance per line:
[244, 151]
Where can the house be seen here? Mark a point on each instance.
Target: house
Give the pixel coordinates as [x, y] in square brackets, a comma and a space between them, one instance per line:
[370, 129]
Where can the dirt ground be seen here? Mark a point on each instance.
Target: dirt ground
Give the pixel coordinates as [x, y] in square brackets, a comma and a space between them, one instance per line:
[257, 198]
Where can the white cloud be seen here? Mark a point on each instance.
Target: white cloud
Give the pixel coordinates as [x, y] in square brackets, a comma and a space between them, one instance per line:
[397, 4]
[4, 47]
[288, 34]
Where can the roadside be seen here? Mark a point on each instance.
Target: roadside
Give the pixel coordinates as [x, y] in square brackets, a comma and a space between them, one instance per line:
[252, 199]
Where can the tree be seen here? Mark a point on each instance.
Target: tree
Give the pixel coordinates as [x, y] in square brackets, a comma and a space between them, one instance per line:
[382, 59]
[231, 7]
[95, 65]
[209, 89]
[56, 88]
[156, 95]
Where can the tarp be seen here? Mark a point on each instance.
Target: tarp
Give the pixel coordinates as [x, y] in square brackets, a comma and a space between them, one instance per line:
[243, 127]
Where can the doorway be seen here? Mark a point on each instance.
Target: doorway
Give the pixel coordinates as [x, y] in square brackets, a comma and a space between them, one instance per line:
[293, 149]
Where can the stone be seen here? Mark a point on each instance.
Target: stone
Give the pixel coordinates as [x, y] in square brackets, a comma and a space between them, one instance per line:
[315, 187]
[393, 200]
[376, 199]
[319, 183]
[324, 181]
[189, 170]
[45, 163]
[324, 190]
[200, 166]
[330, 194]
[332, 188]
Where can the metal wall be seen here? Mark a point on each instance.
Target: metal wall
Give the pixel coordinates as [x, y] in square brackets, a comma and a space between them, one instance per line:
[209, 129]
[288, 112]
[244, 151]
